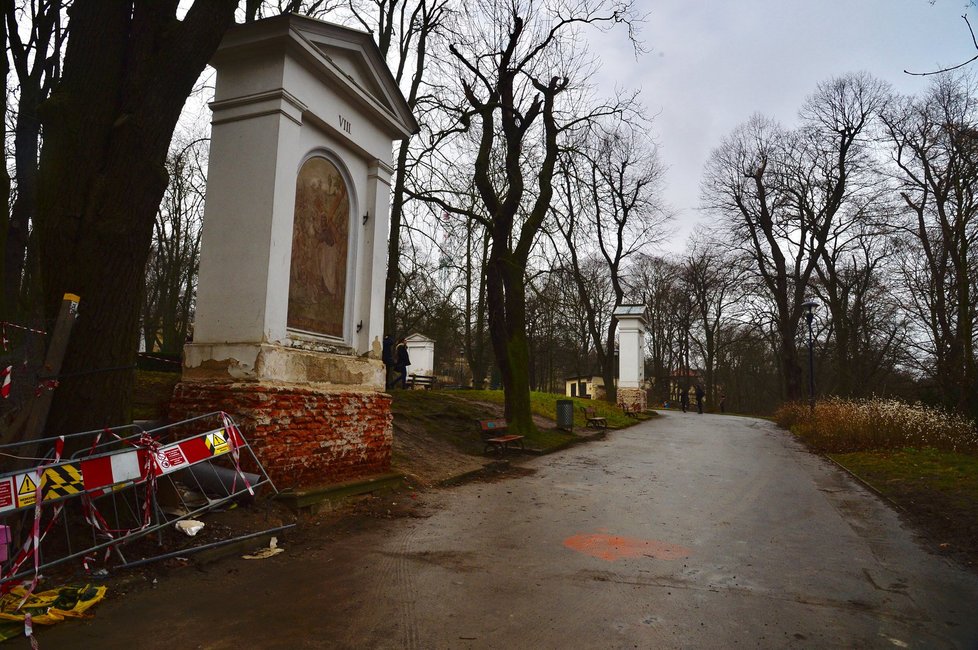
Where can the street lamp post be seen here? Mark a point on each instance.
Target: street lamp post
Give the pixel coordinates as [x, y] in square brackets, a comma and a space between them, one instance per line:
[810, 306]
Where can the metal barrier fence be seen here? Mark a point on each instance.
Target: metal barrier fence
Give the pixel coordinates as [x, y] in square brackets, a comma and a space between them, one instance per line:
[102, 490]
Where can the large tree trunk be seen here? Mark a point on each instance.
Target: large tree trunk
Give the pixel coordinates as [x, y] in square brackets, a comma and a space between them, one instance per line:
[506, 298]
[129, 68]
[394, 240]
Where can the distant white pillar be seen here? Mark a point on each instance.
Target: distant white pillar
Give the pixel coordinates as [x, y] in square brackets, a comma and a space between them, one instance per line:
[632, 321]
[421, 350]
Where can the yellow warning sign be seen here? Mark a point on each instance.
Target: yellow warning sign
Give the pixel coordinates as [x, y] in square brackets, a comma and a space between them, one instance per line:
[26, 491]
[217, 443]
[61, 481]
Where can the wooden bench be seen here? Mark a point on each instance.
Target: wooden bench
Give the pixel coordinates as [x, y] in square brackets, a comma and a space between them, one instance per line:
[421, 381]
[631, 410]
[495, 436]
[590, 418]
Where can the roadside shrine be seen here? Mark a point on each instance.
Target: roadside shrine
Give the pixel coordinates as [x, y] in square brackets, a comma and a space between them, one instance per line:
[289, 320]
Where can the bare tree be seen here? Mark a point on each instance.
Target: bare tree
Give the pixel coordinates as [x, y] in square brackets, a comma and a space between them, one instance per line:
[515, 67]
[746, 182]
[974, 41]
[37, 63]
[608, 207]
[782, 191]
[476, 334]
[171, 274]
[4, 174]
[748, 369]
[670, 318]
[128, 69]
[714, 279]
[406, 32]
[934, 144]
[866, 329]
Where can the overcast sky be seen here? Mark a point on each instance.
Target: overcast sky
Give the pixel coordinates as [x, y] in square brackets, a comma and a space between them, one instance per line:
[711, 64]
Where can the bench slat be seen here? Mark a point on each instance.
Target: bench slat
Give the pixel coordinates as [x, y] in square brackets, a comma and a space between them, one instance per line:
[504, 439]
[425, 381]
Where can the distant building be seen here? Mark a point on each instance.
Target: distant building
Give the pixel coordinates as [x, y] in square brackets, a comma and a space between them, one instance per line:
[681, 380]
[585, 386]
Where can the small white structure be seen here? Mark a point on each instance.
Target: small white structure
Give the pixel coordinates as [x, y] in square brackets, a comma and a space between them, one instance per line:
[632, 321]
[421, 350]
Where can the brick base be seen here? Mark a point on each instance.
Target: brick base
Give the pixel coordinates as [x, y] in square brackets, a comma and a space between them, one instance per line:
[634, 398]
[304, 438]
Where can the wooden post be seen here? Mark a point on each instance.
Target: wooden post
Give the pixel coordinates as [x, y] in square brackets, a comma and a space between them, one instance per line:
[38, 411]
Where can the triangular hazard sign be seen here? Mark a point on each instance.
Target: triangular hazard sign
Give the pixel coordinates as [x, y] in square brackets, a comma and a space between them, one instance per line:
[28, 486]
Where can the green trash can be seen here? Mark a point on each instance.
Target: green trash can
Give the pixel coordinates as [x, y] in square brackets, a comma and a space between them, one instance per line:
[565, 414]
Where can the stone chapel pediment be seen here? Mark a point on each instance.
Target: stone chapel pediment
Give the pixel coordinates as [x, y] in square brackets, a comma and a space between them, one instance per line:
[347, 60]
[356, 56]
[355, 65]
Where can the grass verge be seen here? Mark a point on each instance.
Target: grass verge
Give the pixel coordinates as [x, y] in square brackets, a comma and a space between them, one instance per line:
[451, 416]
[545, 405]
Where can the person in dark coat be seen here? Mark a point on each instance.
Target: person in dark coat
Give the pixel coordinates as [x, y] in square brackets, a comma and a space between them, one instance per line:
[700, 394]
[401, 363]
[684, 398]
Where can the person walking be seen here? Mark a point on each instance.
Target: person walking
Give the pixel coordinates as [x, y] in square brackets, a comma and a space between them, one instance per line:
[700, 394]
[684, 398]
[401, 363]
[388, 357]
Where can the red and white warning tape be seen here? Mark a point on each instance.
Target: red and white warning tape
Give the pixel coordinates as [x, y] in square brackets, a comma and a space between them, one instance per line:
[21, 327]
[5, 385]
[32, 547]
[235, 442]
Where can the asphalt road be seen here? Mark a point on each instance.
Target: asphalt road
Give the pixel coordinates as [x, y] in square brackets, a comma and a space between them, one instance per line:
[688, 531]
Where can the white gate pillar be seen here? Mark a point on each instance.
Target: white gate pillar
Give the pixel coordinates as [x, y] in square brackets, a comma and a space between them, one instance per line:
[632, 321]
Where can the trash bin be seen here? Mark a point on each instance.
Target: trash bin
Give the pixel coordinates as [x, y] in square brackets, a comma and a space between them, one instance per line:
[565, 414]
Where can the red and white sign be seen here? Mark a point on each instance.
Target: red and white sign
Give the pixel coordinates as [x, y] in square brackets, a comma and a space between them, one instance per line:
[126, 466]
[109, 470]
[169, 459]
[7, 494]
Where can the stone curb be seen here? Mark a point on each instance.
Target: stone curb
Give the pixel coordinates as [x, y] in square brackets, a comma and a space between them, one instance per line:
[330, 495]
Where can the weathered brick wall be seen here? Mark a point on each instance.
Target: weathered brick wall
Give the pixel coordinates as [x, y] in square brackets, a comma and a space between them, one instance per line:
[304, 438]
[634, 398]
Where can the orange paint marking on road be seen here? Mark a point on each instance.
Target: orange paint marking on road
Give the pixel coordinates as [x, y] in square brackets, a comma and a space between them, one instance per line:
[615, 547]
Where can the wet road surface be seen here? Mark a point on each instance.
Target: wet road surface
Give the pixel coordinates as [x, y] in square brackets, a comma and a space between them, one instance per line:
[688, 531]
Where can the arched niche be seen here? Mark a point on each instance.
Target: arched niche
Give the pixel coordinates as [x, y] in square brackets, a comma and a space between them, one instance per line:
[322, 244]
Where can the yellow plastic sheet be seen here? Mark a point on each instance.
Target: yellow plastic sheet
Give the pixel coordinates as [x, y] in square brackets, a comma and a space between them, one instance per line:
[49, 607]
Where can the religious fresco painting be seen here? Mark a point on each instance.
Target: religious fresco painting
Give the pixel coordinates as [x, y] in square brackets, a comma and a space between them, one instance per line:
[320, 230]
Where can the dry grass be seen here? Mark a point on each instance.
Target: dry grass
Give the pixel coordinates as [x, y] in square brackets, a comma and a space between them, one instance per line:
[841, 426]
